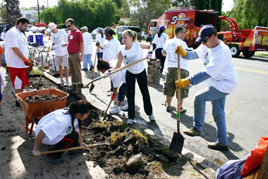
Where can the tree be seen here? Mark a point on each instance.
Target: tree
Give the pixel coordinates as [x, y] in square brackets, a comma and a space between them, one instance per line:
[250, 13]
[13, 12]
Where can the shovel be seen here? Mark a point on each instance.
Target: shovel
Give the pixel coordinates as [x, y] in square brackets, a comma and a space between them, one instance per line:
[105, 114]
[93, 73]
[177, 139]
[73, 148]
[43, 67]
[112, 72]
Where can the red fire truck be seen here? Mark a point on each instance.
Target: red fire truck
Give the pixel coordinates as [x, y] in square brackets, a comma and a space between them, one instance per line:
[244, 40]
[190, 18]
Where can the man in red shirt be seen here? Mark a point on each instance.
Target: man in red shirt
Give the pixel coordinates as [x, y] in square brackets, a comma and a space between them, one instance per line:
[76, 52]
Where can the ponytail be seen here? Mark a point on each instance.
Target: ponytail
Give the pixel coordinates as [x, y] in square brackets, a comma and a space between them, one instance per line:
[160, 33]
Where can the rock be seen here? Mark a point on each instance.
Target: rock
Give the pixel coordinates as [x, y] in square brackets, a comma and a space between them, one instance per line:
[135, 161]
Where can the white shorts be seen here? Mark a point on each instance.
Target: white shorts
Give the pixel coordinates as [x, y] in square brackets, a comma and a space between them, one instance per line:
[61, 60]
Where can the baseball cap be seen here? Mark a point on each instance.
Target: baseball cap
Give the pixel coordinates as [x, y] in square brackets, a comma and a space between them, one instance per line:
[99, 29]
[162, 28]
[84, 28]
[205, 31]
[52, 26]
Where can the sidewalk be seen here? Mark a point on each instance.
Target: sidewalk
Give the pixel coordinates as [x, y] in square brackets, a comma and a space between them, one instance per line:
[17, 162]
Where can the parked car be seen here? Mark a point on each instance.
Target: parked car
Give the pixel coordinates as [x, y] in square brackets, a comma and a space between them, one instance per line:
[120, 29]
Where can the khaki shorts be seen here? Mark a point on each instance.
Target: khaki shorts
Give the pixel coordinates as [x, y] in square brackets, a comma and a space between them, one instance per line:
[61, 60]
[171, 77]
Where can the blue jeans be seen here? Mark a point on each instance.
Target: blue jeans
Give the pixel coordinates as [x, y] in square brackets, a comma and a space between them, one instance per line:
[99, 55]
[87, 61]
[217, 99]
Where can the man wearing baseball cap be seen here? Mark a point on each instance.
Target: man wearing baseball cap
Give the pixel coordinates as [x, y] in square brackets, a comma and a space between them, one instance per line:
[88, 42]
[221, 78]
[59, 40]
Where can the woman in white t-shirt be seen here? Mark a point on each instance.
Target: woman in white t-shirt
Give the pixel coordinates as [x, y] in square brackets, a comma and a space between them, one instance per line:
[160, 39]
[110, 49]
[62, 129]
[129, 54]
[100, 38]
[118, 80]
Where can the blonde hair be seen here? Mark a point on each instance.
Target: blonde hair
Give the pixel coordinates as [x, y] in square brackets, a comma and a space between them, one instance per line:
[130, 33]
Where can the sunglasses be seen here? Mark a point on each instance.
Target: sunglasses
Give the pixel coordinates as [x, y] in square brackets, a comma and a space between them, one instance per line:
[68, 25]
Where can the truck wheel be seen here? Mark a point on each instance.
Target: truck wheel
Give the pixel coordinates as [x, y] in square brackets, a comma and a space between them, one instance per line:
[248, 54]
[235, 50]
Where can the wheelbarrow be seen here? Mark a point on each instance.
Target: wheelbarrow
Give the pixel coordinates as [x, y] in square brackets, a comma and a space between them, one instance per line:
[36, 110]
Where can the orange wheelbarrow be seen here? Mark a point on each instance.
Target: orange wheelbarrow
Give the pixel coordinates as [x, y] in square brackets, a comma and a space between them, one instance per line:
[36, 110]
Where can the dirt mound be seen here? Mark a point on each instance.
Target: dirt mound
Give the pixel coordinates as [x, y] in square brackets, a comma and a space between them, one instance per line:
[41, 98]
[130, 154]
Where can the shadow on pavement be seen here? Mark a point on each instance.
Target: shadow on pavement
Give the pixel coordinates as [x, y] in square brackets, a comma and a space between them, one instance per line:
[255, 58]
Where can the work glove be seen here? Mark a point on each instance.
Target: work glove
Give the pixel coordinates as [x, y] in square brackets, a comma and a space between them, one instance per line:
[150, 55]
[107, 73]
[180, 50]
[182, 83]
[113, 97]
[98, 44]
[27, 62]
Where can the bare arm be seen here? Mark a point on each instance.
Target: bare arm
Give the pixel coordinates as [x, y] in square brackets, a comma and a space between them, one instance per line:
[82, 51]
[18, 53]
[147, 46]
[37, 143]
[81, 141]
[119, 61]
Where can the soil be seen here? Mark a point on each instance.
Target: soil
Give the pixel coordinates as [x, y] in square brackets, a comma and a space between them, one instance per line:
[41, 98]
[130, 154]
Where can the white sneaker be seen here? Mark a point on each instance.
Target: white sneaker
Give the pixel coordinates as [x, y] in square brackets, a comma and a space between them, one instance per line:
[151, 117]
[124, 108]
[109, 93]
[61, 81]
[115, 110]
[67, 83]
[130, 121]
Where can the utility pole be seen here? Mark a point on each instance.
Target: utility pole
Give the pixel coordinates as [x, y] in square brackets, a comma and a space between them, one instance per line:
[38, 11]
[47, 3]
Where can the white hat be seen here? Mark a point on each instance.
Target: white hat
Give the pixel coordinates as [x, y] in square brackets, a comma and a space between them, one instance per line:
[84, 28]
[52, 26]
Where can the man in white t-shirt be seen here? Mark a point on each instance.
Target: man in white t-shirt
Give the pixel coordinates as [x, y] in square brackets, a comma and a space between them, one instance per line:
[220, 72]
[17, 53]
[59, 42]
[172, 68]
[88, 42]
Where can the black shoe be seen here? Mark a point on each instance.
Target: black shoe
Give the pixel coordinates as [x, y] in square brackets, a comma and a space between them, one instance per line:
[216, 146]
[17, 104]
[91, 68]
[84, 69]
[168, 108]
[183, 110]
[192, 132]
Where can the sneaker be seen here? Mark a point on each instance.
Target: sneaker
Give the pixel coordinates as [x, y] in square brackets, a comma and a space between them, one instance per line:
[115, 110]
[168, 108]
[61, 81]
[192, 132]
[151, 117]
[91, 68]
[84, 69]
[183, 110]
[55, 161]
[109, 93]
[67, 83]
[130, 121]
[1, 112]
[216, 146]
[124, 108]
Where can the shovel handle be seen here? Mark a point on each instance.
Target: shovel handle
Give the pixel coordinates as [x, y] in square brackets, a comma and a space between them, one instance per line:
[44, 65]
[93, 72]
[178, 95]
[71, 149]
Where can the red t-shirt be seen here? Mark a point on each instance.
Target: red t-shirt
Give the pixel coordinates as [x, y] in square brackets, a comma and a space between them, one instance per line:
[75, 39]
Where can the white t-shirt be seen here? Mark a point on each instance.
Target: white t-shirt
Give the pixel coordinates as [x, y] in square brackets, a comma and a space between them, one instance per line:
[172, 57]
[110, 49]
[15, 38]
[56, 125]
[60, 38]
[118, 77]
[220, 67]
[3, 34]
[101, 40]
[88, 42]
[132, 55]
[160, 41]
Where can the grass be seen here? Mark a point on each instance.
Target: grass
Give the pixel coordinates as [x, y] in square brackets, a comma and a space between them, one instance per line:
[259, 53]
[34, 72]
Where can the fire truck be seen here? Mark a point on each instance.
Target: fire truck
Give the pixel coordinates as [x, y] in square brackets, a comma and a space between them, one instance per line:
[189, 17]
[246, 41]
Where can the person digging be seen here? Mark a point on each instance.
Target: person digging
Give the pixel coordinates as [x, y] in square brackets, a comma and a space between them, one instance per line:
[220, 75]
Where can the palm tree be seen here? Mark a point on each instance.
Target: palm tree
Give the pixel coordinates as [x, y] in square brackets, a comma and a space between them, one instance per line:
[13, 11]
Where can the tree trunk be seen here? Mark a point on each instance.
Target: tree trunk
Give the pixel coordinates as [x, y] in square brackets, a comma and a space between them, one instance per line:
[13, 12]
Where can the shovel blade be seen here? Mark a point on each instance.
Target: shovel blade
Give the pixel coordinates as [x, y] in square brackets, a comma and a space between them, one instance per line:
[92, 86]
[176, 144]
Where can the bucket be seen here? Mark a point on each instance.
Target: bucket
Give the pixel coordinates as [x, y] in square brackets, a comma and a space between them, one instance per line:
[39, 39]
[31, 37]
